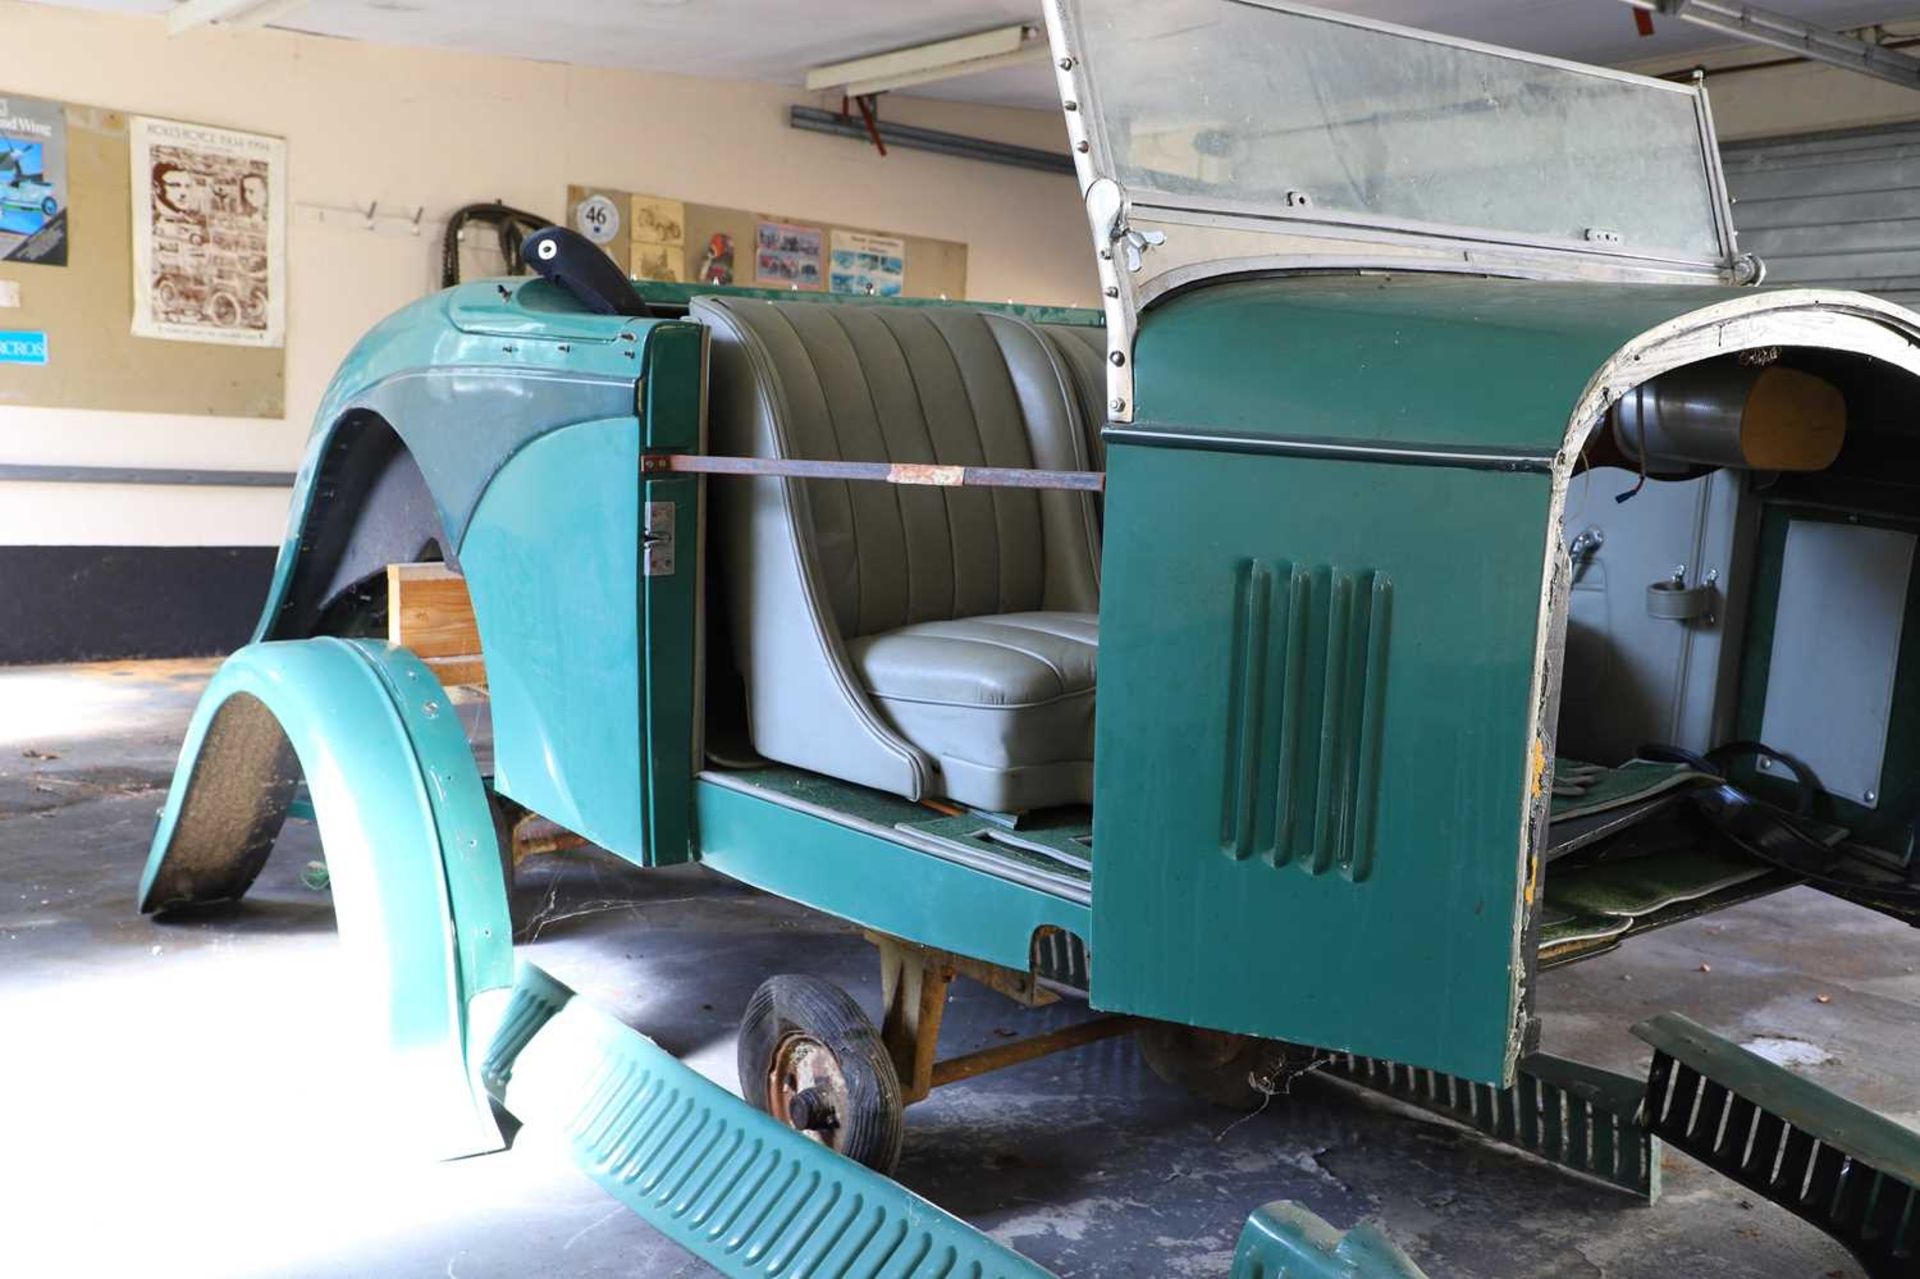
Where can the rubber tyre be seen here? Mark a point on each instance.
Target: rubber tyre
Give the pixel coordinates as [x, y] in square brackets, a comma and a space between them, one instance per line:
[1218, 1067]
[791, 1014]
[505, 814]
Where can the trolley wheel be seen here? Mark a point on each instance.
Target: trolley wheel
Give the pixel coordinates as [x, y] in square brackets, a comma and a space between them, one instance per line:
[809, 1057]
[1235, 1071]
[49, 206]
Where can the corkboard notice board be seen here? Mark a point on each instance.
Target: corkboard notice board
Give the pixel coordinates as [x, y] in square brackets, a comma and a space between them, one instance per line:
[86, 310]
[934, 268]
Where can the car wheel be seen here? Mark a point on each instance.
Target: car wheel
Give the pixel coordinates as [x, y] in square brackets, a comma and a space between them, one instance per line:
[809, 1057]
[1235, 1071]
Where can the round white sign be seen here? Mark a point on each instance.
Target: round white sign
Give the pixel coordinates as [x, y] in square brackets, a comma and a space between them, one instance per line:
[597, 218]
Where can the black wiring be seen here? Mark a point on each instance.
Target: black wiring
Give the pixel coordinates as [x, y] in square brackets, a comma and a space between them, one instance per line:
[1770, 833]
[512, 226]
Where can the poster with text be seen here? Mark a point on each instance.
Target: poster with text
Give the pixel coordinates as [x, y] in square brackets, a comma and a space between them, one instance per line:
[787, 256]
[209, 234]
[33, 181]
[867, 265]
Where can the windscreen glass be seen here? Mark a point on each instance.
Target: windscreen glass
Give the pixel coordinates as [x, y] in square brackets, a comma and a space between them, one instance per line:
[1211, 102]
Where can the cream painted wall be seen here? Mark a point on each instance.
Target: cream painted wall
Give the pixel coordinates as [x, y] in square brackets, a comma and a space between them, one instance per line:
[1807, 98]
[413, 128]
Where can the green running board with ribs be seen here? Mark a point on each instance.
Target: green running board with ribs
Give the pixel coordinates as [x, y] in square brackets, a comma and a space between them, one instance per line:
[1853, 1173]
[756, 1199]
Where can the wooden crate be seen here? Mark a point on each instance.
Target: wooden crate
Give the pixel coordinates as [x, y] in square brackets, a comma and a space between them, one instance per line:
[429, 611]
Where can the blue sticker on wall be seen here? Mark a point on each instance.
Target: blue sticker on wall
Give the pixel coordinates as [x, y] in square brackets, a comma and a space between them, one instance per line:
[17, 346]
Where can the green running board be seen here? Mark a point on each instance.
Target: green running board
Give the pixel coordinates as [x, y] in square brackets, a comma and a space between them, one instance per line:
[724, 1181]
[1578, 1116]
[1849, 1171]
[755, 1199]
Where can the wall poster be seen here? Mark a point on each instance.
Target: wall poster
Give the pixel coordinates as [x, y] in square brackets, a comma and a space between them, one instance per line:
[209, 234]
[659, 239]
[787, 256]
[868, 265]
[33, 181]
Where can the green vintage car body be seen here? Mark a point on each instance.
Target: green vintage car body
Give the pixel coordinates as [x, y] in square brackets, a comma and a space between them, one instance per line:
[1334, 585]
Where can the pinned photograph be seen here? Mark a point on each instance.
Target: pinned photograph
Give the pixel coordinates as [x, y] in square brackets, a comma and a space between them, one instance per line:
[787, 256]
[868, 265]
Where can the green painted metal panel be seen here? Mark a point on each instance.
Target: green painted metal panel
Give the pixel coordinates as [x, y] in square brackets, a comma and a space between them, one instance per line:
[674, 393]
[1567, 1112]
[552, 561]
[465, 377]
[1492, 364]
[734, 1187]
[1285, 1240]
[834, 860]
[1853, 1173]
[1313, 750]
[673, 294]
[409, 840]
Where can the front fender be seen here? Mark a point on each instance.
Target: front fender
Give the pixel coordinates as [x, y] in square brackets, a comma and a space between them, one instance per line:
[411, 851]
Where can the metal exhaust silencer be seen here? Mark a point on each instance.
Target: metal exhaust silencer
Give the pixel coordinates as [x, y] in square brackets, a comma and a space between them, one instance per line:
[1725, 413]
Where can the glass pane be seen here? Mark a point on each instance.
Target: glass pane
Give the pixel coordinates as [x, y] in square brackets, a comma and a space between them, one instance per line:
[1227, 100]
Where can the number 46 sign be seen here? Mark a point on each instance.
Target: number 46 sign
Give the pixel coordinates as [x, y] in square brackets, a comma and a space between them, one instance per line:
[597, 218]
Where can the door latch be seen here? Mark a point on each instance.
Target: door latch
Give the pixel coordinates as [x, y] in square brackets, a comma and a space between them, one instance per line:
[656, 540]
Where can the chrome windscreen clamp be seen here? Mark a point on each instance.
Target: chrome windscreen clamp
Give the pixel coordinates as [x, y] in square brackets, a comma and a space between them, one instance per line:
[1107, 215]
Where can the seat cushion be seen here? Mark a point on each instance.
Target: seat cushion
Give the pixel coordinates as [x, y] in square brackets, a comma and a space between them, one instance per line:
[1004, 702]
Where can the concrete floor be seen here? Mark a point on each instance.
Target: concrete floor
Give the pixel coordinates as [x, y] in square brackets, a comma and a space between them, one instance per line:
[180, 1101]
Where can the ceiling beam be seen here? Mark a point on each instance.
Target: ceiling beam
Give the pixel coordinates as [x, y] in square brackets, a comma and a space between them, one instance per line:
[924, 63]
[1817, 44]
[814, 120]
[189, 14]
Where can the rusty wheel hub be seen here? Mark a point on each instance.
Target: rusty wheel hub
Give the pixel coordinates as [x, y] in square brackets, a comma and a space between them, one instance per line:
[805, 1085]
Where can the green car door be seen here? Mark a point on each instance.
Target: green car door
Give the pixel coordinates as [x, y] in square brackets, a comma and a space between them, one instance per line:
[1326, 633]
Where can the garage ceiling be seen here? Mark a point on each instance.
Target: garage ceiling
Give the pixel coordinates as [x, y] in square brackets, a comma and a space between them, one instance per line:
[777, 40]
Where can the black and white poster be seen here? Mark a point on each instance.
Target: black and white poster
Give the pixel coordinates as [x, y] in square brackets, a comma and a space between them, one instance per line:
[209, 234]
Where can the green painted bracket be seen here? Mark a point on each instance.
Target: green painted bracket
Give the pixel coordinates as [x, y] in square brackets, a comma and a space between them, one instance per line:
[1578, 1116]
[411, 850]
[1853, 1173]
[731, 1185]
[1286, 1241]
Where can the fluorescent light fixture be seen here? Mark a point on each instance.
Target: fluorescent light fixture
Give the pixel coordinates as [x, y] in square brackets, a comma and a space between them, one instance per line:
[189, 14]
[1035, 52]
[1777, 30]
[924, 63]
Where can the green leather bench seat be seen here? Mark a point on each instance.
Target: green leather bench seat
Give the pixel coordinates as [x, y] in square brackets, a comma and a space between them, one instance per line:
[991, 695]
[932, 642]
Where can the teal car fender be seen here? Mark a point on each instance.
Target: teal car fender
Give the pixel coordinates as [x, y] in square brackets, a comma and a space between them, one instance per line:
[414, 862]
[450, 400]
[423, 412]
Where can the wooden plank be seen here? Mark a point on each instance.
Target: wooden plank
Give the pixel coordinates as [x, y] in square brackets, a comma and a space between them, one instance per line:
[429, 611]
[451, 671]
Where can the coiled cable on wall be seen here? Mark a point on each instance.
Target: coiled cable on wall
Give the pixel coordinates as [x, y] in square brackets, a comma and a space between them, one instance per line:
[512, 225]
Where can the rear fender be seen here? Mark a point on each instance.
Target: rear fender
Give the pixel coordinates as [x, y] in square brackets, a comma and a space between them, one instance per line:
[410, 845]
